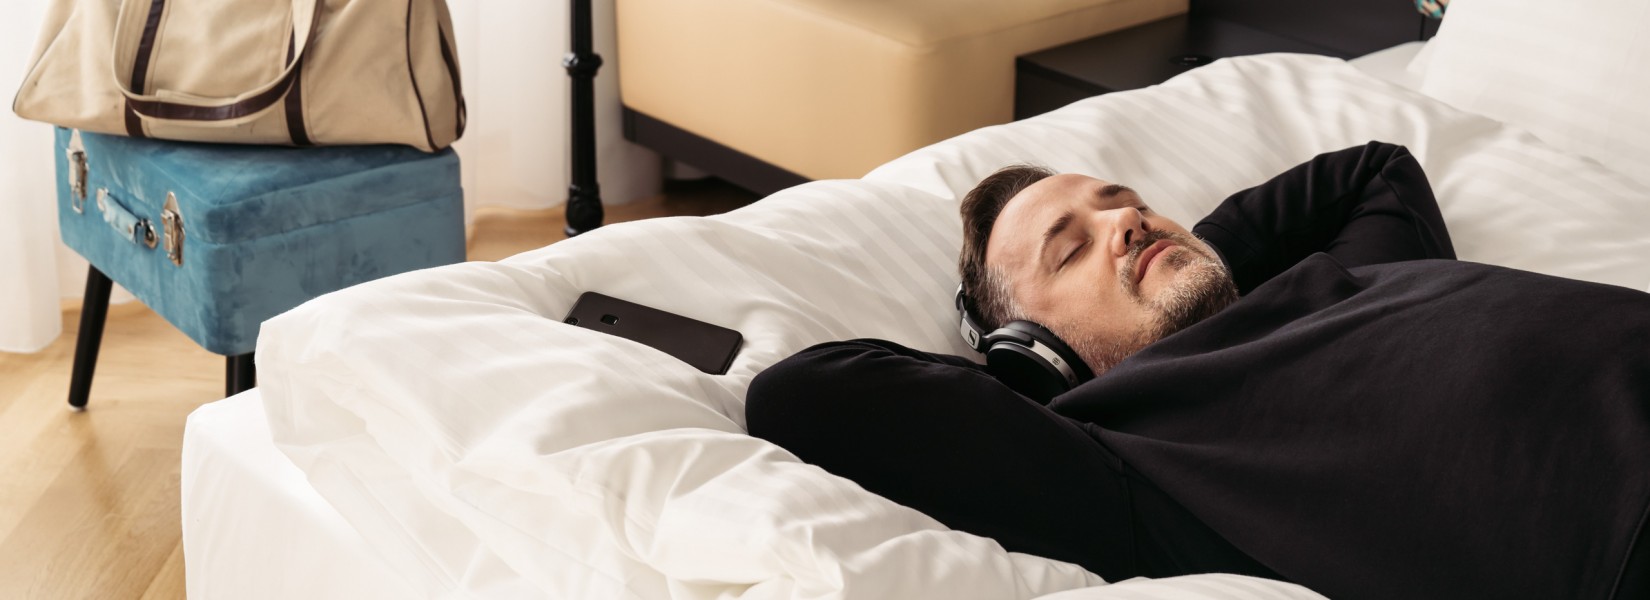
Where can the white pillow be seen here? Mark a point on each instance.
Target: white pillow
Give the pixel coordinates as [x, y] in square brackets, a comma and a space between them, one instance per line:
[1575, 73]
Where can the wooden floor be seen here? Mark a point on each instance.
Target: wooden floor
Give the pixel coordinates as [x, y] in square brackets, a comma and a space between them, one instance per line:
[89, 501]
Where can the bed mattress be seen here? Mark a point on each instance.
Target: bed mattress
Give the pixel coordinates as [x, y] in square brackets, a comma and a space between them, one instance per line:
[480, 448]
[251, 522]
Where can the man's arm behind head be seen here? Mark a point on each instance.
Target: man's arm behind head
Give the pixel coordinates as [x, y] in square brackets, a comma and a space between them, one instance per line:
[1363, 205]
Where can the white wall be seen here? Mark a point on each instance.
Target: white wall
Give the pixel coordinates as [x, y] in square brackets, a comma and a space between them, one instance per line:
[515, 150]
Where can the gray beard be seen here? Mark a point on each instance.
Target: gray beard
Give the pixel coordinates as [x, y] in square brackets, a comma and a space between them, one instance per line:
[1205, 288]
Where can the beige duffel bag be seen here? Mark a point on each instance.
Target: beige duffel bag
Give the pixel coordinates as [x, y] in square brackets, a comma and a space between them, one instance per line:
[299, 72]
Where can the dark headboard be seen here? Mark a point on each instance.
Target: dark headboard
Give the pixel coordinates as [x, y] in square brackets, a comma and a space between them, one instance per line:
[1349, 28]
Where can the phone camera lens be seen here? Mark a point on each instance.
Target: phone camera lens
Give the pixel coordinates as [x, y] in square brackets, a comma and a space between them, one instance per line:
[572, 321]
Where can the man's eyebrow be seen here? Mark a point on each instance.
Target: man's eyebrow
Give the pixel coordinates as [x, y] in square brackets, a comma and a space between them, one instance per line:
[1114, 189]
[1054, 231]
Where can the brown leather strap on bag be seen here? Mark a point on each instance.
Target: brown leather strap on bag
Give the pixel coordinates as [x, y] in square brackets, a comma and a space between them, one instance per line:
[140, 65]
[220, 109]
[295, 102]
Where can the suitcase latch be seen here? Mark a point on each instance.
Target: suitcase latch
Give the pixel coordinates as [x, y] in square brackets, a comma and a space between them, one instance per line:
[172, 225]
[77, 180]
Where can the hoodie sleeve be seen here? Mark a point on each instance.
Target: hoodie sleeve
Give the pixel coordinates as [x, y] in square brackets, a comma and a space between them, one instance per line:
[1363, 205]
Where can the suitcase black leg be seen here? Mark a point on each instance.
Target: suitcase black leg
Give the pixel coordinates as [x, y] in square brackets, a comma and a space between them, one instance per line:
[240, 374]
[94, 310]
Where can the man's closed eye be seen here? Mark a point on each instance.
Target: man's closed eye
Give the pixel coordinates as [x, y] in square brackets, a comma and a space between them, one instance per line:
[1073, 254]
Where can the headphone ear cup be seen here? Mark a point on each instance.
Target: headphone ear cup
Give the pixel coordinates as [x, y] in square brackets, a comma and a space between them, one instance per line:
[1024, 371]
[1053, 342]
[1013, 359]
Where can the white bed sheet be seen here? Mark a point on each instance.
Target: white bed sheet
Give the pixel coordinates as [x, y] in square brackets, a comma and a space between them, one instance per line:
[483, 449]
[253, 528]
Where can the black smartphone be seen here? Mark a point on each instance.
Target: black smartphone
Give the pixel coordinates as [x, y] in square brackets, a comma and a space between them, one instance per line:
[707, 347]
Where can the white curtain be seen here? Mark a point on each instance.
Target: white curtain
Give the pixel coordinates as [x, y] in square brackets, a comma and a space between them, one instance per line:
[514, 151]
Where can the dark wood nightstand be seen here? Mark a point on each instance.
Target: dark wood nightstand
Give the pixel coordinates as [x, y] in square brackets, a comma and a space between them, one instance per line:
[1137, 57]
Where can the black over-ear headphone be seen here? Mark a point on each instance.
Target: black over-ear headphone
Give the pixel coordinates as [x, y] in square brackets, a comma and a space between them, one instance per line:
[1024, 355]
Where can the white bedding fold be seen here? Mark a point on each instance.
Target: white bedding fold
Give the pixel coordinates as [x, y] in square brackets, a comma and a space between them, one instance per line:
[491, 450]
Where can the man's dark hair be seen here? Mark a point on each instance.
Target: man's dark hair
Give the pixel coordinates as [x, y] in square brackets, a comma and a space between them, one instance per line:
[988, 289]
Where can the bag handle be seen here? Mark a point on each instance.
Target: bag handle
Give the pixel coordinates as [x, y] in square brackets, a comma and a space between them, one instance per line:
[133, 49]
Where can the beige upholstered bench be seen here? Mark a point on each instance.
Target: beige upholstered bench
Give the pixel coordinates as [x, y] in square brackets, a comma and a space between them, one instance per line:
[831, 88]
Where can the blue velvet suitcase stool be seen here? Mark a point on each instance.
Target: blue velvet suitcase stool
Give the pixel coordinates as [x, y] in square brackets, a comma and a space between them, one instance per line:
[218, 238]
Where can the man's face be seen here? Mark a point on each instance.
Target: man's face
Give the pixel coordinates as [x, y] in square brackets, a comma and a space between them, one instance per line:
[1092, 262]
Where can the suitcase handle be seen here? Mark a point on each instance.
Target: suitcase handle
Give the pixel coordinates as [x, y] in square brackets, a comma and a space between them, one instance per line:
[131, 227]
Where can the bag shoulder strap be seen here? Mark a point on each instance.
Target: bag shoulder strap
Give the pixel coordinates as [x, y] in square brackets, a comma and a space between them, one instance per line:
[133, 45]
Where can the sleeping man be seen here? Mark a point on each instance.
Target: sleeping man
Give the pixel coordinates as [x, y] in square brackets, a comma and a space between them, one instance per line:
[1306, 386]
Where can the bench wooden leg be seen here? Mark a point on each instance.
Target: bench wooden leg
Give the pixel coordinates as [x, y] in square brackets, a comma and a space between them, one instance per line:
[94, 310]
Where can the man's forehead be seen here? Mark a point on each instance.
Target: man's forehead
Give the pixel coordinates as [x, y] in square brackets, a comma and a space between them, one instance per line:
[1019, 226]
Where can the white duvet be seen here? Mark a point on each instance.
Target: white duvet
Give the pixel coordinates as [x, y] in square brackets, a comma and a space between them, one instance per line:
[485, 449]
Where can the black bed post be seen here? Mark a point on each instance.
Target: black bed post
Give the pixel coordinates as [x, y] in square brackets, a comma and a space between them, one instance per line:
[584, 197]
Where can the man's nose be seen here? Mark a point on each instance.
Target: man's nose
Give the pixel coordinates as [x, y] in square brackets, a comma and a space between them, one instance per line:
[1127, 226]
